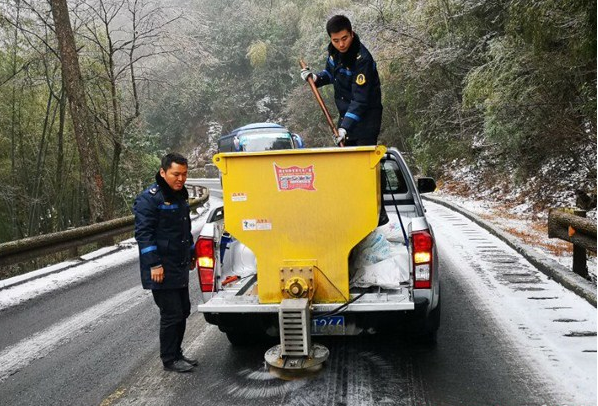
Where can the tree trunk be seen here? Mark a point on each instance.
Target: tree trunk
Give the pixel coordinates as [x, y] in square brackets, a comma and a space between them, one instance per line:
[82, 120]
[13, 125]
[59, 205]
[34, 220]
[117, 128]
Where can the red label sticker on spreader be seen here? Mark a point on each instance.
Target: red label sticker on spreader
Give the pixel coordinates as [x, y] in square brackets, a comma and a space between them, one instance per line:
[295, 177]
[239, 197]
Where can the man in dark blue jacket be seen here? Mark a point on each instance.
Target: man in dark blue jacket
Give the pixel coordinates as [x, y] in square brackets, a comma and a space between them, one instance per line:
[163, 233]
[352, 70]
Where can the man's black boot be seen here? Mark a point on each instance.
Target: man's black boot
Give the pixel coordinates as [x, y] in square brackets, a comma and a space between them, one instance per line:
[178, 365]
[191, 361]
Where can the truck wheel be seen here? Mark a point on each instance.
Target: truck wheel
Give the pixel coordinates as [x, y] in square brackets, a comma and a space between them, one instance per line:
[432, 323]
[239, 339]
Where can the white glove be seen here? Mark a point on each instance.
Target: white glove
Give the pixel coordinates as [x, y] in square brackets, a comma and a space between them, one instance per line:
[342, 134]
[306, 73]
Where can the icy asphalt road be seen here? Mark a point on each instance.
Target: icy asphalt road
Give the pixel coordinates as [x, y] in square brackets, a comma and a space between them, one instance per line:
[509, 336]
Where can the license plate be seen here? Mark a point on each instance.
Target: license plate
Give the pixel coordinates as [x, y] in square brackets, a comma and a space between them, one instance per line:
[328, 326]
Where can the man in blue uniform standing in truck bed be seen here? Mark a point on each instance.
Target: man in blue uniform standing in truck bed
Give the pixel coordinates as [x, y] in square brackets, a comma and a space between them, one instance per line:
[163, 233]
[352, 70]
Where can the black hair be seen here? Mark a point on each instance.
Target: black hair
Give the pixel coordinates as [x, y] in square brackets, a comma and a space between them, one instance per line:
[168, 159]
[338, 23]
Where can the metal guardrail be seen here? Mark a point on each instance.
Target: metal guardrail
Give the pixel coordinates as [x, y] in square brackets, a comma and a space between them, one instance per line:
[34, 247]
[572, 226]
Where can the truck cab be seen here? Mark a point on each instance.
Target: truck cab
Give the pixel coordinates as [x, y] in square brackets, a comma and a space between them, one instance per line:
[259, 137]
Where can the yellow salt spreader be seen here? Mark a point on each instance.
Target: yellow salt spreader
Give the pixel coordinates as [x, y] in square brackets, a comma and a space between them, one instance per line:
[301, 212]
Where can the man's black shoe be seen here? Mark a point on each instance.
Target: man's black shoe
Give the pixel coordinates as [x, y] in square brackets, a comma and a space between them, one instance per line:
[178, 365]
[190, 361]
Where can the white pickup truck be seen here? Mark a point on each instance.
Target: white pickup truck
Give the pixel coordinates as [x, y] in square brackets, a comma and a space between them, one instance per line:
[229, 276]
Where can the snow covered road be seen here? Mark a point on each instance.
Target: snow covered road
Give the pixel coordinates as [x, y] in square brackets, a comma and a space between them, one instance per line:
[553, 329]
[509, 336]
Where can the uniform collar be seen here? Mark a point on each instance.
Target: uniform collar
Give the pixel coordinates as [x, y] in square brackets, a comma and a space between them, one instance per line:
[168, 193]
[348, 58]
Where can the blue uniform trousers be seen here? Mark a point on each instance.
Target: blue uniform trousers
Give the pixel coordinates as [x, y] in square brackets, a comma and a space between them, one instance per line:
[175, 307]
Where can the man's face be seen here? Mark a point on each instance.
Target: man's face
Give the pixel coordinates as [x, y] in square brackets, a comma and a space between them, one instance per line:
[175, 176]
[341, 40]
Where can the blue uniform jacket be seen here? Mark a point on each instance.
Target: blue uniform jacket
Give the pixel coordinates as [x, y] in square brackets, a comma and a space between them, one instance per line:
[163, 233]
[356, 89]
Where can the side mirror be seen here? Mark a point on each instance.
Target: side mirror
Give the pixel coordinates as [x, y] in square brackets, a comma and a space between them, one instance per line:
[426, 185]
[298, 141]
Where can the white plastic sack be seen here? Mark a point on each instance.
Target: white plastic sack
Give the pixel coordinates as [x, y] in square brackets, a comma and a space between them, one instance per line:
[392, 231]
[380, 259]
[372, 249]
[387, 274]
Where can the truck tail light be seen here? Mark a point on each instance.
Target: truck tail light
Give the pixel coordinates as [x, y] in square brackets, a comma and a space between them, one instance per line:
[204, 252]
[421, 244]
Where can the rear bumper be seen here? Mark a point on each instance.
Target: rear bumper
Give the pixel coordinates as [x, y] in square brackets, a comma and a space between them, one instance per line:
[356, 323]
[373, 312]
[398, 300]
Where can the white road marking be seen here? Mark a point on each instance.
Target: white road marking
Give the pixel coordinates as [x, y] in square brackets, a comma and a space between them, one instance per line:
[21, 354]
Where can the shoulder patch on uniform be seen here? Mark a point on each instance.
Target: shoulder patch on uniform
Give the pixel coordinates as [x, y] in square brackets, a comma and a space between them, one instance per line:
[153, 190]
[360, 80]
[358, 56]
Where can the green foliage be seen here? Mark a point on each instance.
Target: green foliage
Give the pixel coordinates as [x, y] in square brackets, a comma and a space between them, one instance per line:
[534, 86]
[257, 54]
[509, 83]
[39, 164]
[180, 106]
[140, 163]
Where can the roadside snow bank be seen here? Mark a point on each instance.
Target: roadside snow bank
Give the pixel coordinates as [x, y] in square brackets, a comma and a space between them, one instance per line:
[527, 228]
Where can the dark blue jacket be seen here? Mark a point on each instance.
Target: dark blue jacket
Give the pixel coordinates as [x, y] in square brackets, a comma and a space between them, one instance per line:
[163, 233]
[356, 89]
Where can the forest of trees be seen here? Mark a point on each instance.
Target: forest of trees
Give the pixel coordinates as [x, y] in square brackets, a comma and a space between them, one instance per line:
[505, 86]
